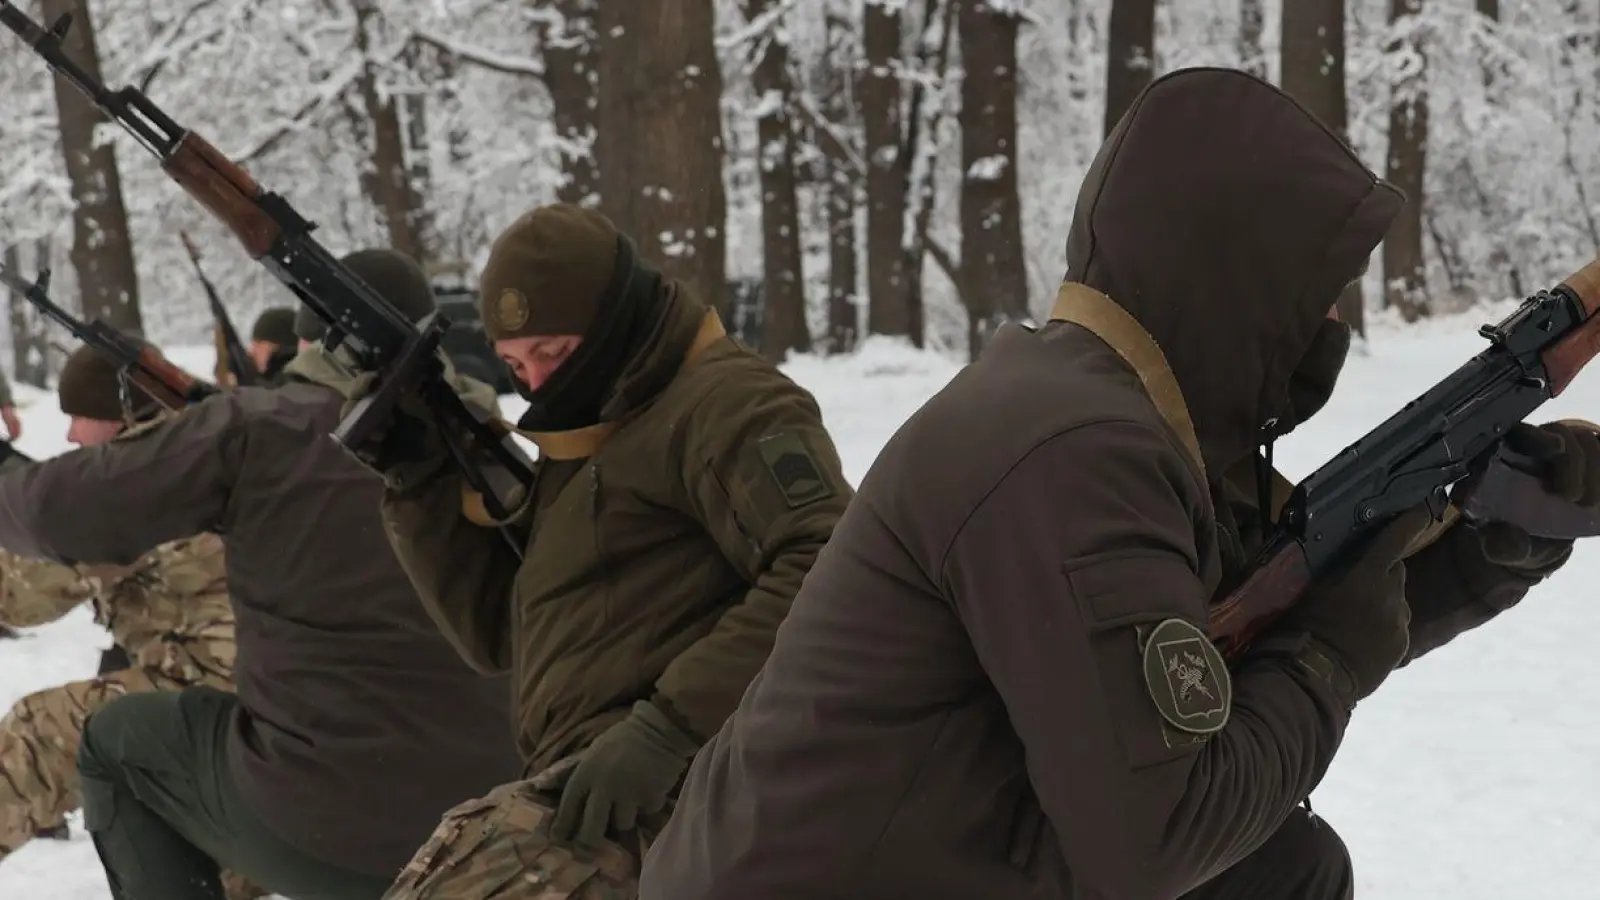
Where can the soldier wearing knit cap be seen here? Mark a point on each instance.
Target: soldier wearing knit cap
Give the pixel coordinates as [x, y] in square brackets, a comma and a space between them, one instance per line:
[273, 342]
[685, 487]
[90, 391]
[354, 724]
[168, 614]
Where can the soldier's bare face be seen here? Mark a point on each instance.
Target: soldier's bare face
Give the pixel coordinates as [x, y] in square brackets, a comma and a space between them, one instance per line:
[261, 354]
[535, 358]
[91, 432]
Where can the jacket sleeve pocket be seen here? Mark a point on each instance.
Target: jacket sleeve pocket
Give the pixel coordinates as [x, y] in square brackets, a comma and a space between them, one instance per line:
[1163, 700]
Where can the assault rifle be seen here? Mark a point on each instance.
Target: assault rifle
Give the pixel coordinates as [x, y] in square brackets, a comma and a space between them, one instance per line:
[1443, 449]
[167, 384]
[379, 337]
[239, 361]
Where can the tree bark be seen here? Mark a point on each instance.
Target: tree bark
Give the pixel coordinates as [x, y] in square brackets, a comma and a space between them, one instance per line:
[102, 248]
[993, 273]
[1251, 18]
[1312, 71]
[571, 76]
[1130, 55]
[659, 143]
[843, 182]
[1404, 267]
[387, 183]
[784, 326]
[888, 300]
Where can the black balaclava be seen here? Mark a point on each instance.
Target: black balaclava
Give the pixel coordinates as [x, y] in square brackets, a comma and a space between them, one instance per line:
[576, 392]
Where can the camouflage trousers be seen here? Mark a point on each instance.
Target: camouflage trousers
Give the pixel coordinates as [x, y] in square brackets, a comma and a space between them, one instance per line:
[39, 741]
[500, 846]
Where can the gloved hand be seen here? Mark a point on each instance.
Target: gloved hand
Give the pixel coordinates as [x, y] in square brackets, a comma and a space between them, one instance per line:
[410, 449]
[1358, 623]
[405, 452]
[1568, 457]
[629, 769]
[1568, 460]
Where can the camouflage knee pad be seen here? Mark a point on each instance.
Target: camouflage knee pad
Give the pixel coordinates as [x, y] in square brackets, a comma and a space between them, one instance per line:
[500, 846]
[236, 887]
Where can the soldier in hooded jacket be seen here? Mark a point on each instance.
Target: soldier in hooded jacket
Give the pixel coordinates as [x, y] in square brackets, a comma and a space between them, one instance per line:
[995, 681]
[169, 610]
[353, 726]
[683, 489]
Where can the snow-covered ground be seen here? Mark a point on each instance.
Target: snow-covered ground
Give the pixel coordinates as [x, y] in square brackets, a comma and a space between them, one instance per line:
[1467, 776]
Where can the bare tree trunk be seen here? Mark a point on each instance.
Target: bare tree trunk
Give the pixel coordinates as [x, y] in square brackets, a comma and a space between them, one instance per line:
[102, 249]
[387, 184]
[920, 150]
[888, 300]
[784, 326]
[1251, 18]
[1312, 71]
[21, 337]
[659, 145]
[1130, 55]
[1404, 267]
[571, 76]
[993, 274]
[843, 182]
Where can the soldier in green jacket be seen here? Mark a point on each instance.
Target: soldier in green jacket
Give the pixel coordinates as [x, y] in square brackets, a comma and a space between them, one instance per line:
[684, 489]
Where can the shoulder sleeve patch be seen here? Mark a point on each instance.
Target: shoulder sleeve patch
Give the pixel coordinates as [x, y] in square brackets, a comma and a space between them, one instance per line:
[793, 468]
[1187, 678]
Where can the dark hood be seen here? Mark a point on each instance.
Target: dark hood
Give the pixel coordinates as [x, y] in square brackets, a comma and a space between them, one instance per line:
[1226, 219]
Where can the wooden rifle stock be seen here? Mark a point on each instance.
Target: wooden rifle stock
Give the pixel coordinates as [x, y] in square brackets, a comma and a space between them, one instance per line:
[166, 384]
[225, 189]
[1566, 359]
[1271, 589]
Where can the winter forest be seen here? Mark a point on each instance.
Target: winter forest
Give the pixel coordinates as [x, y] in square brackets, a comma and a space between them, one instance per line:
[825, 170]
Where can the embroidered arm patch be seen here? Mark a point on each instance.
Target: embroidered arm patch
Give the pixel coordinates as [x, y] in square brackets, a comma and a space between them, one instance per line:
[793, 469]
[1187, 678]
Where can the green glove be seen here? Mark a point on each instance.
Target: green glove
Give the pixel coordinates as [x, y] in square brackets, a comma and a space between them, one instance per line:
[629, 770]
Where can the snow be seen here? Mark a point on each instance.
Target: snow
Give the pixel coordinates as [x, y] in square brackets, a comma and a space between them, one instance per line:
[1467, 776]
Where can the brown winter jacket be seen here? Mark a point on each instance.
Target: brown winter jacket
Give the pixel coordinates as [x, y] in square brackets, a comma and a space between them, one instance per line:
[358, 725]
[956, 706]
[665, 545]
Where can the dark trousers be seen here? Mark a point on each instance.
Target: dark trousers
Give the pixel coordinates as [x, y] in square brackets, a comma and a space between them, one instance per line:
[164, 812]
[1305, 860]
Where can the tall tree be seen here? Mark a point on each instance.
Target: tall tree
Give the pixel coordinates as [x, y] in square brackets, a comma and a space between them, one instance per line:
[659, 143]
[1130, 55]
[1313, 72]
[784, 325]
[843, 180]
[571, 76]
[994, 277]
[1251, 19]
[387, 181]
[888, 300]
[1404, 266]
[102, 248]
[919, 148]
[30, 339]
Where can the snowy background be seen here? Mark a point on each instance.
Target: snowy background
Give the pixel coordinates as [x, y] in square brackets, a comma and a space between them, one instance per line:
[1470, 775]
[1511, 174]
